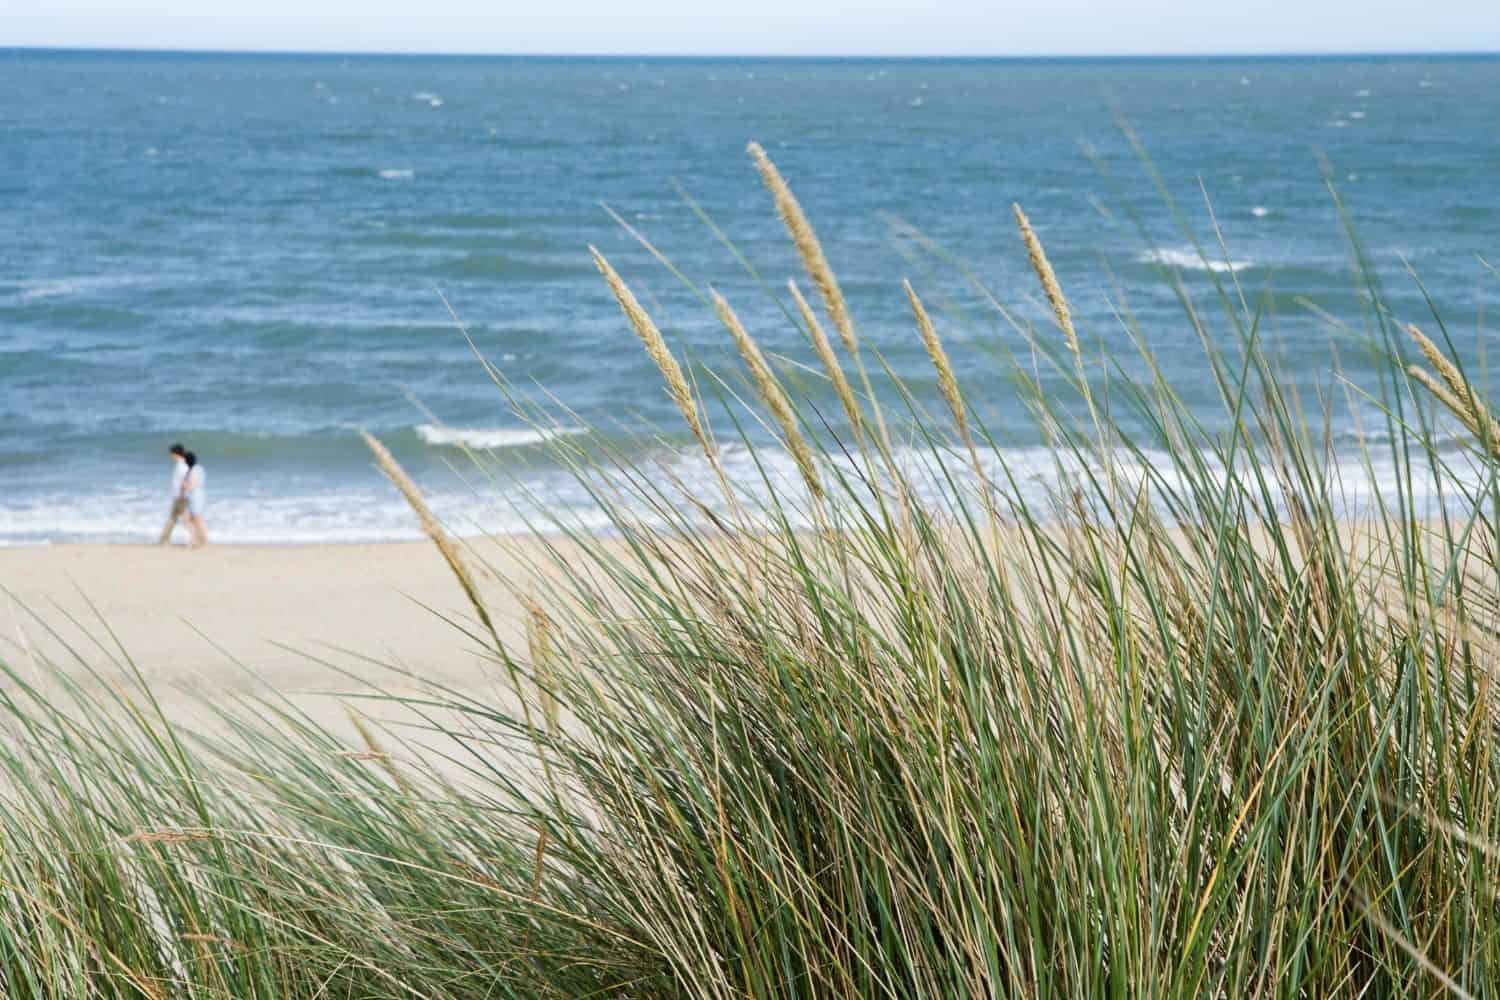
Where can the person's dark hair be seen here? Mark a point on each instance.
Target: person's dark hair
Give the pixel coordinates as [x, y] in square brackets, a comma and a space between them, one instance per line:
[192, 459]
[177, 449]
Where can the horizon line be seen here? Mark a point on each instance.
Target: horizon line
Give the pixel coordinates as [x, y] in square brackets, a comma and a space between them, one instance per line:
[809, 56]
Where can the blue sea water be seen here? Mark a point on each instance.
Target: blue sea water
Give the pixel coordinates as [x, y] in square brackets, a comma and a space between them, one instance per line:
[252, 253]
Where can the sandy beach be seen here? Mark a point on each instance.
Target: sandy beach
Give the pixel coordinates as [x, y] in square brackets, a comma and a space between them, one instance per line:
[204, 626]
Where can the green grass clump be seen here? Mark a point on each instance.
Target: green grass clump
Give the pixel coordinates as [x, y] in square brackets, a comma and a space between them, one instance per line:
[884, 729]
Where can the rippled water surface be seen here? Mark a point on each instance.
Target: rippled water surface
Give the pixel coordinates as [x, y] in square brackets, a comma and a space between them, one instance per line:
[251, 253]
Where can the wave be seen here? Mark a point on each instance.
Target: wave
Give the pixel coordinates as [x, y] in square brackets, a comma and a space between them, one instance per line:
[49, 290]
[1189, 260]
[380, 173]
[359, 506]
[492, 438]
[73, 286]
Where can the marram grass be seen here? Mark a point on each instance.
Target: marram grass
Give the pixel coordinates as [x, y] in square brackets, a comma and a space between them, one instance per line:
[1187, 735]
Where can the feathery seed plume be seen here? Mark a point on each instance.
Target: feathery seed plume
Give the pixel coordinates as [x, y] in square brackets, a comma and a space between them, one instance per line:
[829, 359]
[1043, 269]
[539, 646]
[947, 383]
[656, 347]
[430, 526]
[771, 392]
[808, 247]
[1479, 423]
[1441, 365]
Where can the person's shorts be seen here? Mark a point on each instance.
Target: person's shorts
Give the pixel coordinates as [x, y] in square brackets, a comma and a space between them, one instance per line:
[196, 502]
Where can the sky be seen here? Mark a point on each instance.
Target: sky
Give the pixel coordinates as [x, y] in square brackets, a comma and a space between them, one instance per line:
[761, 27]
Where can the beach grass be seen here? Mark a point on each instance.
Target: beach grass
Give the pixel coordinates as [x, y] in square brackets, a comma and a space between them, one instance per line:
[884, 728]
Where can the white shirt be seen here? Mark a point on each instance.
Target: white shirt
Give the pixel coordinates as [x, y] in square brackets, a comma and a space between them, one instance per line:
[195, 479]
[179, 473]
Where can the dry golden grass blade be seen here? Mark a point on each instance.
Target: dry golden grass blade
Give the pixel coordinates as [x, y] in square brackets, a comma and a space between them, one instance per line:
[808, 247]
[168, 836]
[1048, 278]
[539, 646]
[774, 396]
[828, 358]
[378, 753]
[656, 348]
[430, 526]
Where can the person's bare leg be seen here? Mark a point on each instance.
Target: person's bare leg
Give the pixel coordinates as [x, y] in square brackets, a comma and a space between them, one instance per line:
[178, 507]
[199, 530]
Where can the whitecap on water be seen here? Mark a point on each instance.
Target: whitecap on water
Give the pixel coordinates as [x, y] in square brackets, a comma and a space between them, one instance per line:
[48, 290]
[1260, 211]
[395, 174]
[1184, 259]
[492, 437]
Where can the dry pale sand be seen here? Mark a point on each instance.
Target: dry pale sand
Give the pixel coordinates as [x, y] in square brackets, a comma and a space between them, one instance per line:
[242, 620]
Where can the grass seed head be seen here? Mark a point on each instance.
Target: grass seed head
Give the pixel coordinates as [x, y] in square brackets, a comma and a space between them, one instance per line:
[1048, 277]
[828, 358]
[947, 383]
[808, 247]
[771, 392]
[656, 347]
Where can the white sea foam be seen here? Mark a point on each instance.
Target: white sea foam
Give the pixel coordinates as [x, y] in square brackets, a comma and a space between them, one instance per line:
[248, 512]
[1356, 114]
[1185, 259]
[77, 285]
[1260, 211]
[492, 437]
[48, 290]
[394, 174]
[370, 514]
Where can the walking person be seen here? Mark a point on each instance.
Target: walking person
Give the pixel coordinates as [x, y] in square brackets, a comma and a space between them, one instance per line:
[197, 499]
[179, 496]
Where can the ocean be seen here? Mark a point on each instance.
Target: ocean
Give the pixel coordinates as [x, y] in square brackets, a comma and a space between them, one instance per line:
[256, 255]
